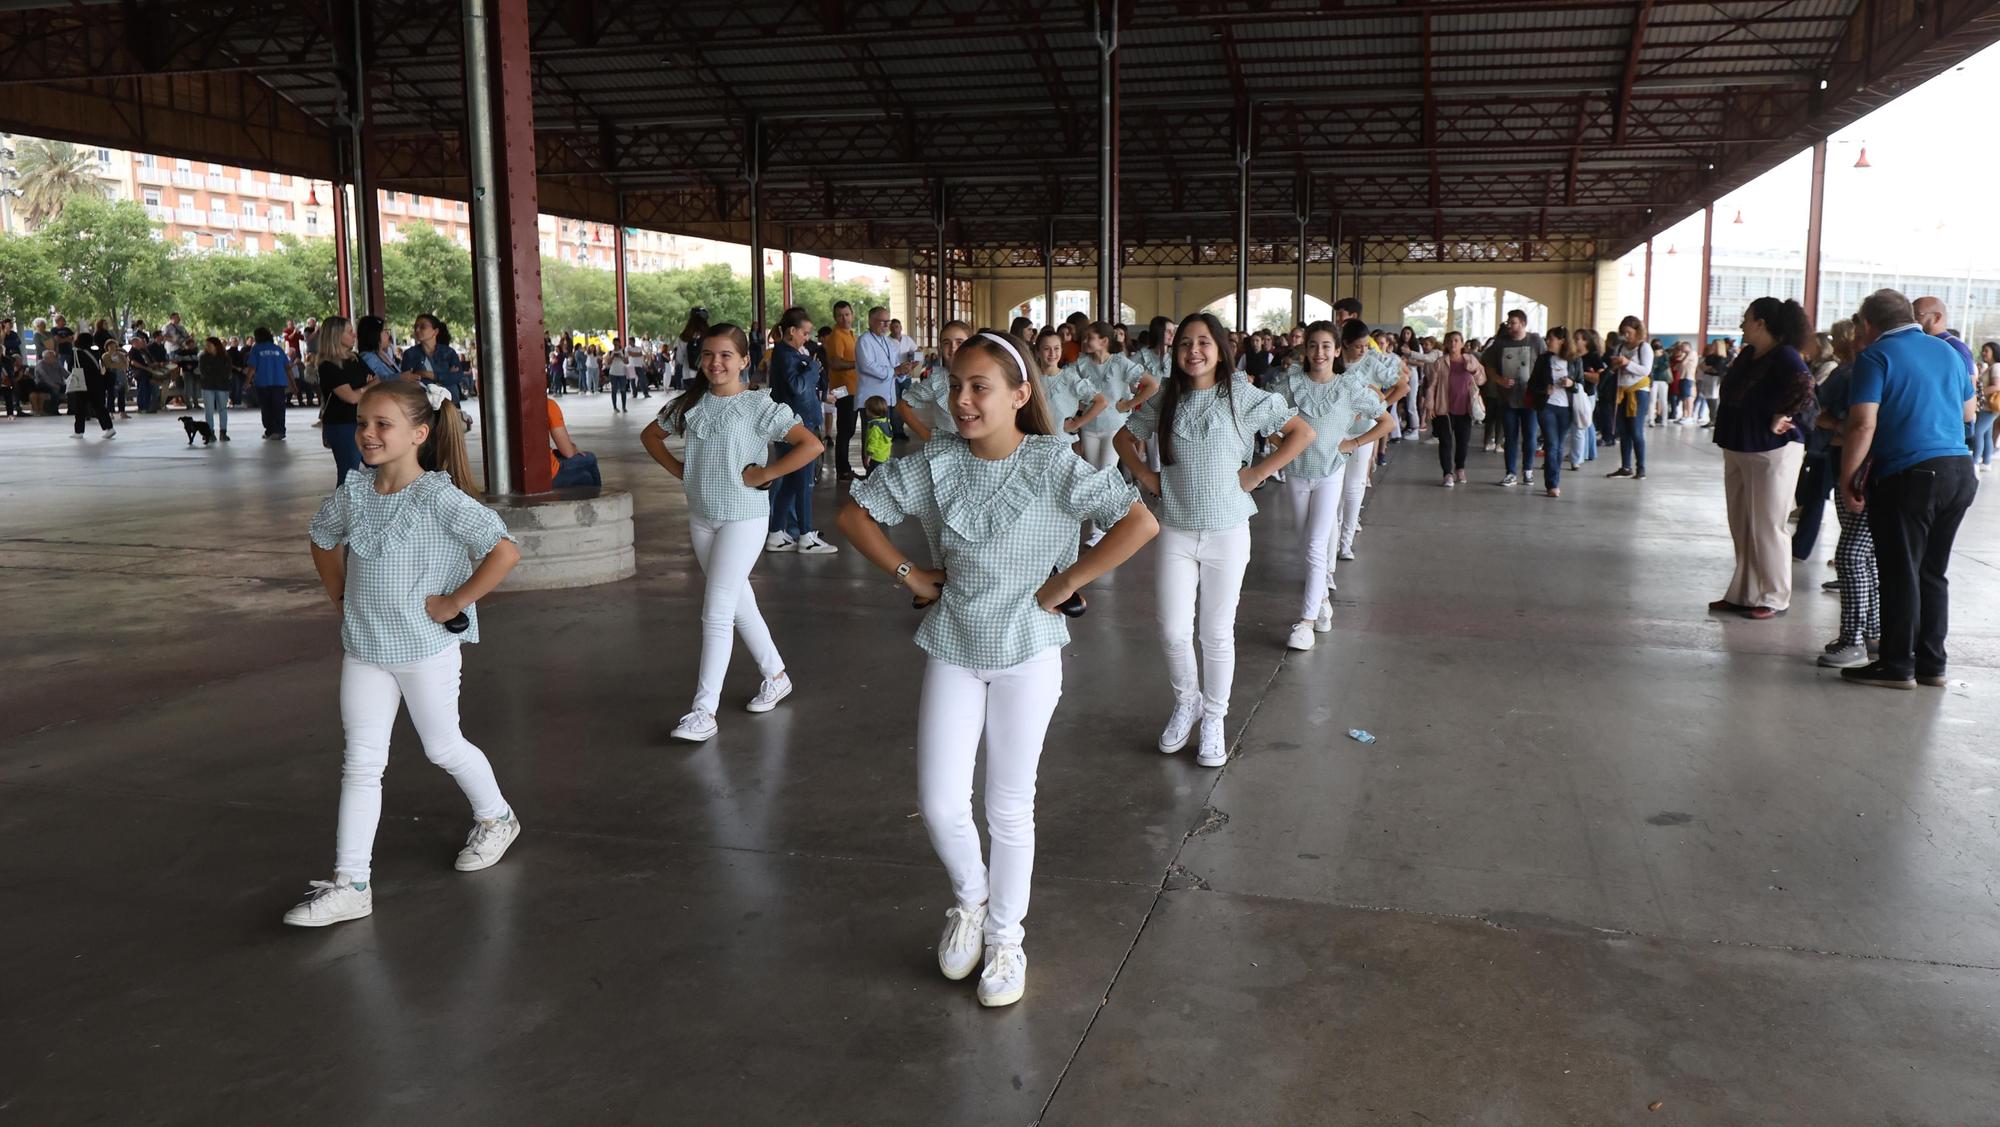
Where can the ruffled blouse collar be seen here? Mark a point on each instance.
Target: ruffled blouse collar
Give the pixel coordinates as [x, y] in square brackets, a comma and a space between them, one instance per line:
[379, 523]
[712, 413]
[1312, 397]
[979, 499]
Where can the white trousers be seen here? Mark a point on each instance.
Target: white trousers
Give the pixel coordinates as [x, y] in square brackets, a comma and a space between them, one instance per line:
[1316, 501]
[1011, 708]
[727, 550]
[1354, 488]
[370, 695]
[1204, 567]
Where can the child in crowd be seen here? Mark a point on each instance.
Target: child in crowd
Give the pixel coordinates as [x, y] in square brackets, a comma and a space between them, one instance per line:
[876, 444]
[396, 546]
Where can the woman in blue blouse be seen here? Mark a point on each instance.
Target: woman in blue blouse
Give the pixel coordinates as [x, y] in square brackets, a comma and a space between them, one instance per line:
[999, 504]
[1207, 419]
[1757, 425]
[433, 357]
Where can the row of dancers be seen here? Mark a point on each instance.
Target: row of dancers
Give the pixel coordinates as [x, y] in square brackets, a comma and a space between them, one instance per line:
[1021, 458]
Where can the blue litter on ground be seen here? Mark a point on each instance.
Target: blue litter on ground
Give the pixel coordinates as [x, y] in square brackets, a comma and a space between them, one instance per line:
[1360, 736]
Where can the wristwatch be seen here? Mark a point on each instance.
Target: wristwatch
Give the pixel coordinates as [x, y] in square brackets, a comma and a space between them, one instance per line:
[902, 572]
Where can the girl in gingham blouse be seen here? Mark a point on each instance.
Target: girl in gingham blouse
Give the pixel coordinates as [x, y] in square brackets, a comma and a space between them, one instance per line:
[394, 546]
[923, 407]
[1207, 419]
[1073, 400]
[999, 504]
[729, 431]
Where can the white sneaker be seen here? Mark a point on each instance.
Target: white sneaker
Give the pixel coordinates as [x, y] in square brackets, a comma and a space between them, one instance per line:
[773, 690]
[487, 843]
[779, 542]
[1344, 554]
[1302, 636]
[959, 948]
[331, 902]
[695, 727]
[1180, 725]
[1528, 478]
[1510, 479]
[1005, 978]
[1214, 746]
[1324, 622]
[811, 545]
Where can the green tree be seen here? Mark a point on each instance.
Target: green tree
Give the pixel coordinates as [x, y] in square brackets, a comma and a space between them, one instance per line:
[816, 296]
[427, 273]
[578, 298]
[29, 285]
[108, 260]
[52, 173]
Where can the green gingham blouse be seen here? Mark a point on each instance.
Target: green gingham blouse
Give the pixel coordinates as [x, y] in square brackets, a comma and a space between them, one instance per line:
[996, 528]
[402, 548]
[930, 398]
[1066, 392]
[1344, 407]
[1114, 379]
[1213, 438]
[725, 434]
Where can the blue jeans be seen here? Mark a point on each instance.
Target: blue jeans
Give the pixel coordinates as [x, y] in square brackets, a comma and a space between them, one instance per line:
[1520, 435]
[1982, 437]
[1555, 433]
[145, 395]
[621, 392]
[579, 470]
[791, 497]
[214, 402]
[346, 454]
[1632, 432]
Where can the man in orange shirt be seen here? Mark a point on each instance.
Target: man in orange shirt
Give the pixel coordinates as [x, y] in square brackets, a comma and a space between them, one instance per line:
[840, 379]
[567, 464]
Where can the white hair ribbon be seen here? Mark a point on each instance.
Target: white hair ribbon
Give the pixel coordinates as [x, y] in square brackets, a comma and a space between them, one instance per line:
[438, 394]
[1011, 351]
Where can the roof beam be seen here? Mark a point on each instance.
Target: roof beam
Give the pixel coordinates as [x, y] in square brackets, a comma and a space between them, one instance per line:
[1623, 110]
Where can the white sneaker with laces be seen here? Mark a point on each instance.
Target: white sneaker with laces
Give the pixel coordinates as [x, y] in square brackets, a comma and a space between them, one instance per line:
[1324, 622]
[488, 842]
[779, 542]
[811, 545]
[1180, 725]
[773, 690]
[1302, 636]
[695, 727]
[1005, 978]
[332, 902]
[1345, 554]
[960, 946]
[1510, 479]
[1214, 745]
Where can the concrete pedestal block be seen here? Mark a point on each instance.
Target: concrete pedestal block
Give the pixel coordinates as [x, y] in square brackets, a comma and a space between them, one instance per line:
[569, 538]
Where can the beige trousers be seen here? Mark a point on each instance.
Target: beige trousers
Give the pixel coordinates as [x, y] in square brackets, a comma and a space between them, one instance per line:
[1758, 489]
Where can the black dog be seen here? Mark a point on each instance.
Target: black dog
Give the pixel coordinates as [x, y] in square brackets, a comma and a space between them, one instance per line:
[196, 426]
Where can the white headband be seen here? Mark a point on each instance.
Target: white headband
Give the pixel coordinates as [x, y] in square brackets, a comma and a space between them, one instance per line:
[438, 394]
[1011, 351]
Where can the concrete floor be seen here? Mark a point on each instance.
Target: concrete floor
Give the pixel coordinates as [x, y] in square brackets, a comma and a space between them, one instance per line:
[1609, 851]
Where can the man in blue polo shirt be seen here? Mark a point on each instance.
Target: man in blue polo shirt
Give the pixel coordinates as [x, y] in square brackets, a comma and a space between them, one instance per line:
[271, 376]
[1906, 425]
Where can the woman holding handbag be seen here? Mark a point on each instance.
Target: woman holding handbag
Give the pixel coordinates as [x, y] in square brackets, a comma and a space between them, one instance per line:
[1451, 385]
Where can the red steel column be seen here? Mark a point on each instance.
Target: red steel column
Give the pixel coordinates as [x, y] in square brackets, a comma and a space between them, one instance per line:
[1646, 303]
[788, 268]
[1815, 216]
[1707, 249]
[619, 291]
[343, 281]
[507, 254]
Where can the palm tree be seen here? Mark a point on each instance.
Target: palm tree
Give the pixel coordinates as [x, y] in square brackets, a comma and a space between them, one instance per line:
[52, 172]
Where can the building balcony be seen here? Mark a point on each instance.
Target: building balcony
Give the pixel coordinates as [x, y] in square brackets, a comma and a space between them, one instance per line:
[251, 188]
[155, 211]
[280, 225]
[153, 174]
[188, 217]
[222, 184]
[393, 206]
[221, 221]
[186, 180]
[254, 223]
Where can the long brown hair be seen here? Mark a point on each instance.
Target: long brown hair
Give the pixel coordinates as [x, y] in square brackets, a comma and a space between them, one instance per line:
[445, 448]
[1033, 417]
[674, 418]
[1178, 382]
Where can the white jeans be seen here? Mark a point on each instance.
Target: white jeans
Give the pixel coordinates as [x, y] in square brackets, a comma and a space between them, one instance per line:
[1208, 566]
[1317, 502]
[369, 697]
[1354, 487]
[1012, 707]
[727, 550]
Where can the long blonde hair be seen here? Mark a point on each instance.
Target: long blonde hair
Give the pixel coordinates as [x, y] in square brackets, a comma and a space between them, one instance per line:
[330, 344]
[445, 448]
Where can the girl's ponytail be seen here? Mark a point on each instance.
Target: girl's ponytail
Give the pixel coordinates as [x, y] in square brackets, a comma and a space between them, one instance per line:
[428, 404]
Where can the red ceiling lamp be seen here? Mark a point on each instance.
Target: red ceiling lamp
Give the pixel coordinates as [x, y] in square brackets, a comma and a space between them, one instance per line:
[312, 195]
[1862, 161]
[1739, 217]
[1671, 249]
[1629, 273]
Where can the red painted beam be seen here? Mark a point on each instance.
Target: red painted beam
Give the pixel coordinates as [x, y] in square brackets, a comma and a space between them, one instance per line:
[512, 83]
[1623, 110]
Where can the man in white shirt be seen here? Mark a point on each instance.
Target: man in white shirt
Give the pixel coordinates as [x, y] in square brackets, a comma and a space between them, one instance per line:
[875, 362]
